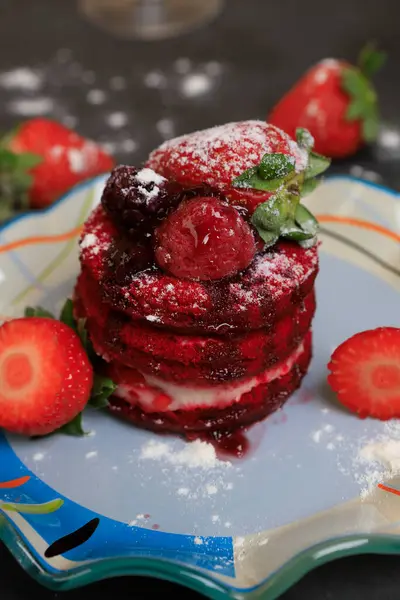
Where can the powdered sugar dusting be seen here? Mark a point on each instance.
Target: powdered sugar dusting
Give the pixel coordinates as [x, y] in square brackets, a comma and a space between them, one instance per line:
[195, 454]
[242, 145]
[146, 176]
[21, 78]
[31, 107]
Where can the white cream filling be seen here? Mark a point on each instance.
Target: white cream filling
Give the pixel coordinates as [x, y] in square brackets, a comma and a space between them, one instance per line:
[183, 397]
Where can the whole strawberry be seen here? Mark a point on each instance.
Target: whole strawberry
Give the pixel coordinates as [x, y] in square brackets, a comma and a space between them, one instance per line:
[336, 102]
[42, 160]
[218, 155]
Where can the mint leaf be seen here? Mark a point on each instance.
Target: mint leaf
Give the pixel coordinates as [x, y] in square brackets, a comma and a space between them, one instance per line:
[371, 60]
[317, 164]
[67, 314]
[294, 233]
[38, 311]
[73, 428]
[276, 166]
[306, 220]
[103, 388]
[304, 138]
[269, 237]
[251, 180]
[243, 180]
[269, 216]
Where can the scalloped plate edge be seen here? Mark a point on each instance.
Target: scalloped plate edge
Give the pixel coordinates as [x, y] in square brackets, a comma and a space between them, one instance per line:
[194, 578]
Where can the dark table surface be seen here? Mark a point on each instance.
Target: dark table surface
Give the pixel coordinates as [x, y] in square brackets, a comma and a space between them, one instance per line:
[246, 59]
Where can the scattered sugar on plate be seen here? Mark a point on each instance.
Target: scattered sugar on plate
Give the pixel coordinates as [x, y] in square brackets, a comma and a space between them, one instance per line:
[38, 456]
[155, 79]
[197, 454]
[196, 84]
[21, 78]
[96, 96]
[117, 83]
[165, 128]
[117, 119]
[182, 65]
[213, 68]
[91, 454]
[211, 489]
[31, 107]
[389, 138]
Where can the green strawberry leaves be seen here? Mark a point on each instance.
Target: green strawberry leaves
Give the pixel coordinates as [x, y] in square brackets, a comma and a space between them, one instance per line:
[371, 60]
[357, 84]
[282, 215]
[38, 311]
[103, 387]
[74, 427]
[15, 180]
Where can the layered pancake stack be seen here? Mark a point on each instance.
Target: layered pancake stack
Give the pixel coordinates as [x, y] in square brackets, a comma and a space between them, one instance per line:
[202, 315]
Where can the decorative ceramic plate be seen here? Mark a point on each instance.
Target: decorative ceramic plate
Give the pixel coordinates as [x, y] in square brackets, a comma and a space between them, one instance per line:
[75, 510]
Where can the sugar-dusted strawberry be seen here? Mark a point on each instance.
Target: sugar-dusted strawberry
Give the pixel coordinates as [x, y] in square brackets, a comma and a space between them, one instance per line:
[365, 373]
[45, 375]
[336, 102]
[42, 160]
[205, 239]
[218, 155]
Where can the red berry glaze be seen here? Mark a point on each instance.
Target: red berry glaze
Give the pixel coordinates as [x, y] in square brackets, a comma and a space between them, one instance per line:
[204, 239]
[253, 406]
[275, 282]
[216, 156]
[365, 373]
[45, 375]
[195, 358]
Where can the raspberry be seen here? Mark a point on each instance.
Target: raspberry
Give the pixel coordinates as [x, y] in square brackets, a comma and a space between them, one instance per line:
[205, 239]
[137, 200]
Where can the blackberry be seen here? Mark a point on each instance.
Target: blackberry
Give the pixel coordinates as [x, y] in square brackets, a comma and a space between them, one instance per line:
[137, 200]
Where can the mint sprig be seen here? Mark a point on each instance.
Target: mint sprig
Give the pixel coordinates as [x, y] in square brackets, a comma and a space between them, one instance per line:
[269, 175]
[282, 215]
[103, 387]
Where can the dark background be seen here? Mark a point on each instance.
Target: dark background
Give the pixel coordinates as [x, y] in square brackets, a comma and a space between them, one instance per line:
[257, 49]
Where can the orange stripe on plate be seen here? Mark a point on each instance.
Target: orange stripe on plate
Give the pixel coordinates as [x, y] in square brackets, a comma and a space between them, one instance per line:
[386, 488]
[13, 483]
[359, 223]
[41, 239]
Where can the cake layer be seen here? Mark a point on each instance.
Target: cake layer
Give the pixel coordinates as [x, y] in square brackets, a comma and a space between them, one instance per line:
[263, 397]
[189, 357]
[276, 281]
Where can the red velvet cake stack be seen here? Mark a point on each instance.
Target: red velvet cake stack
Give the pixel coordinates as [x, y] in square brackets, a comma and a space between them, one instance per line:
[197, 281]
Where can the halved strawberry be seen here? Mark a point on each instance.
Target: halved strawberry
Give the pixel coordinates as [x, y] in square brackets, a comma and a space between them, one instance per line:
[45, 375]
[365, 373]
